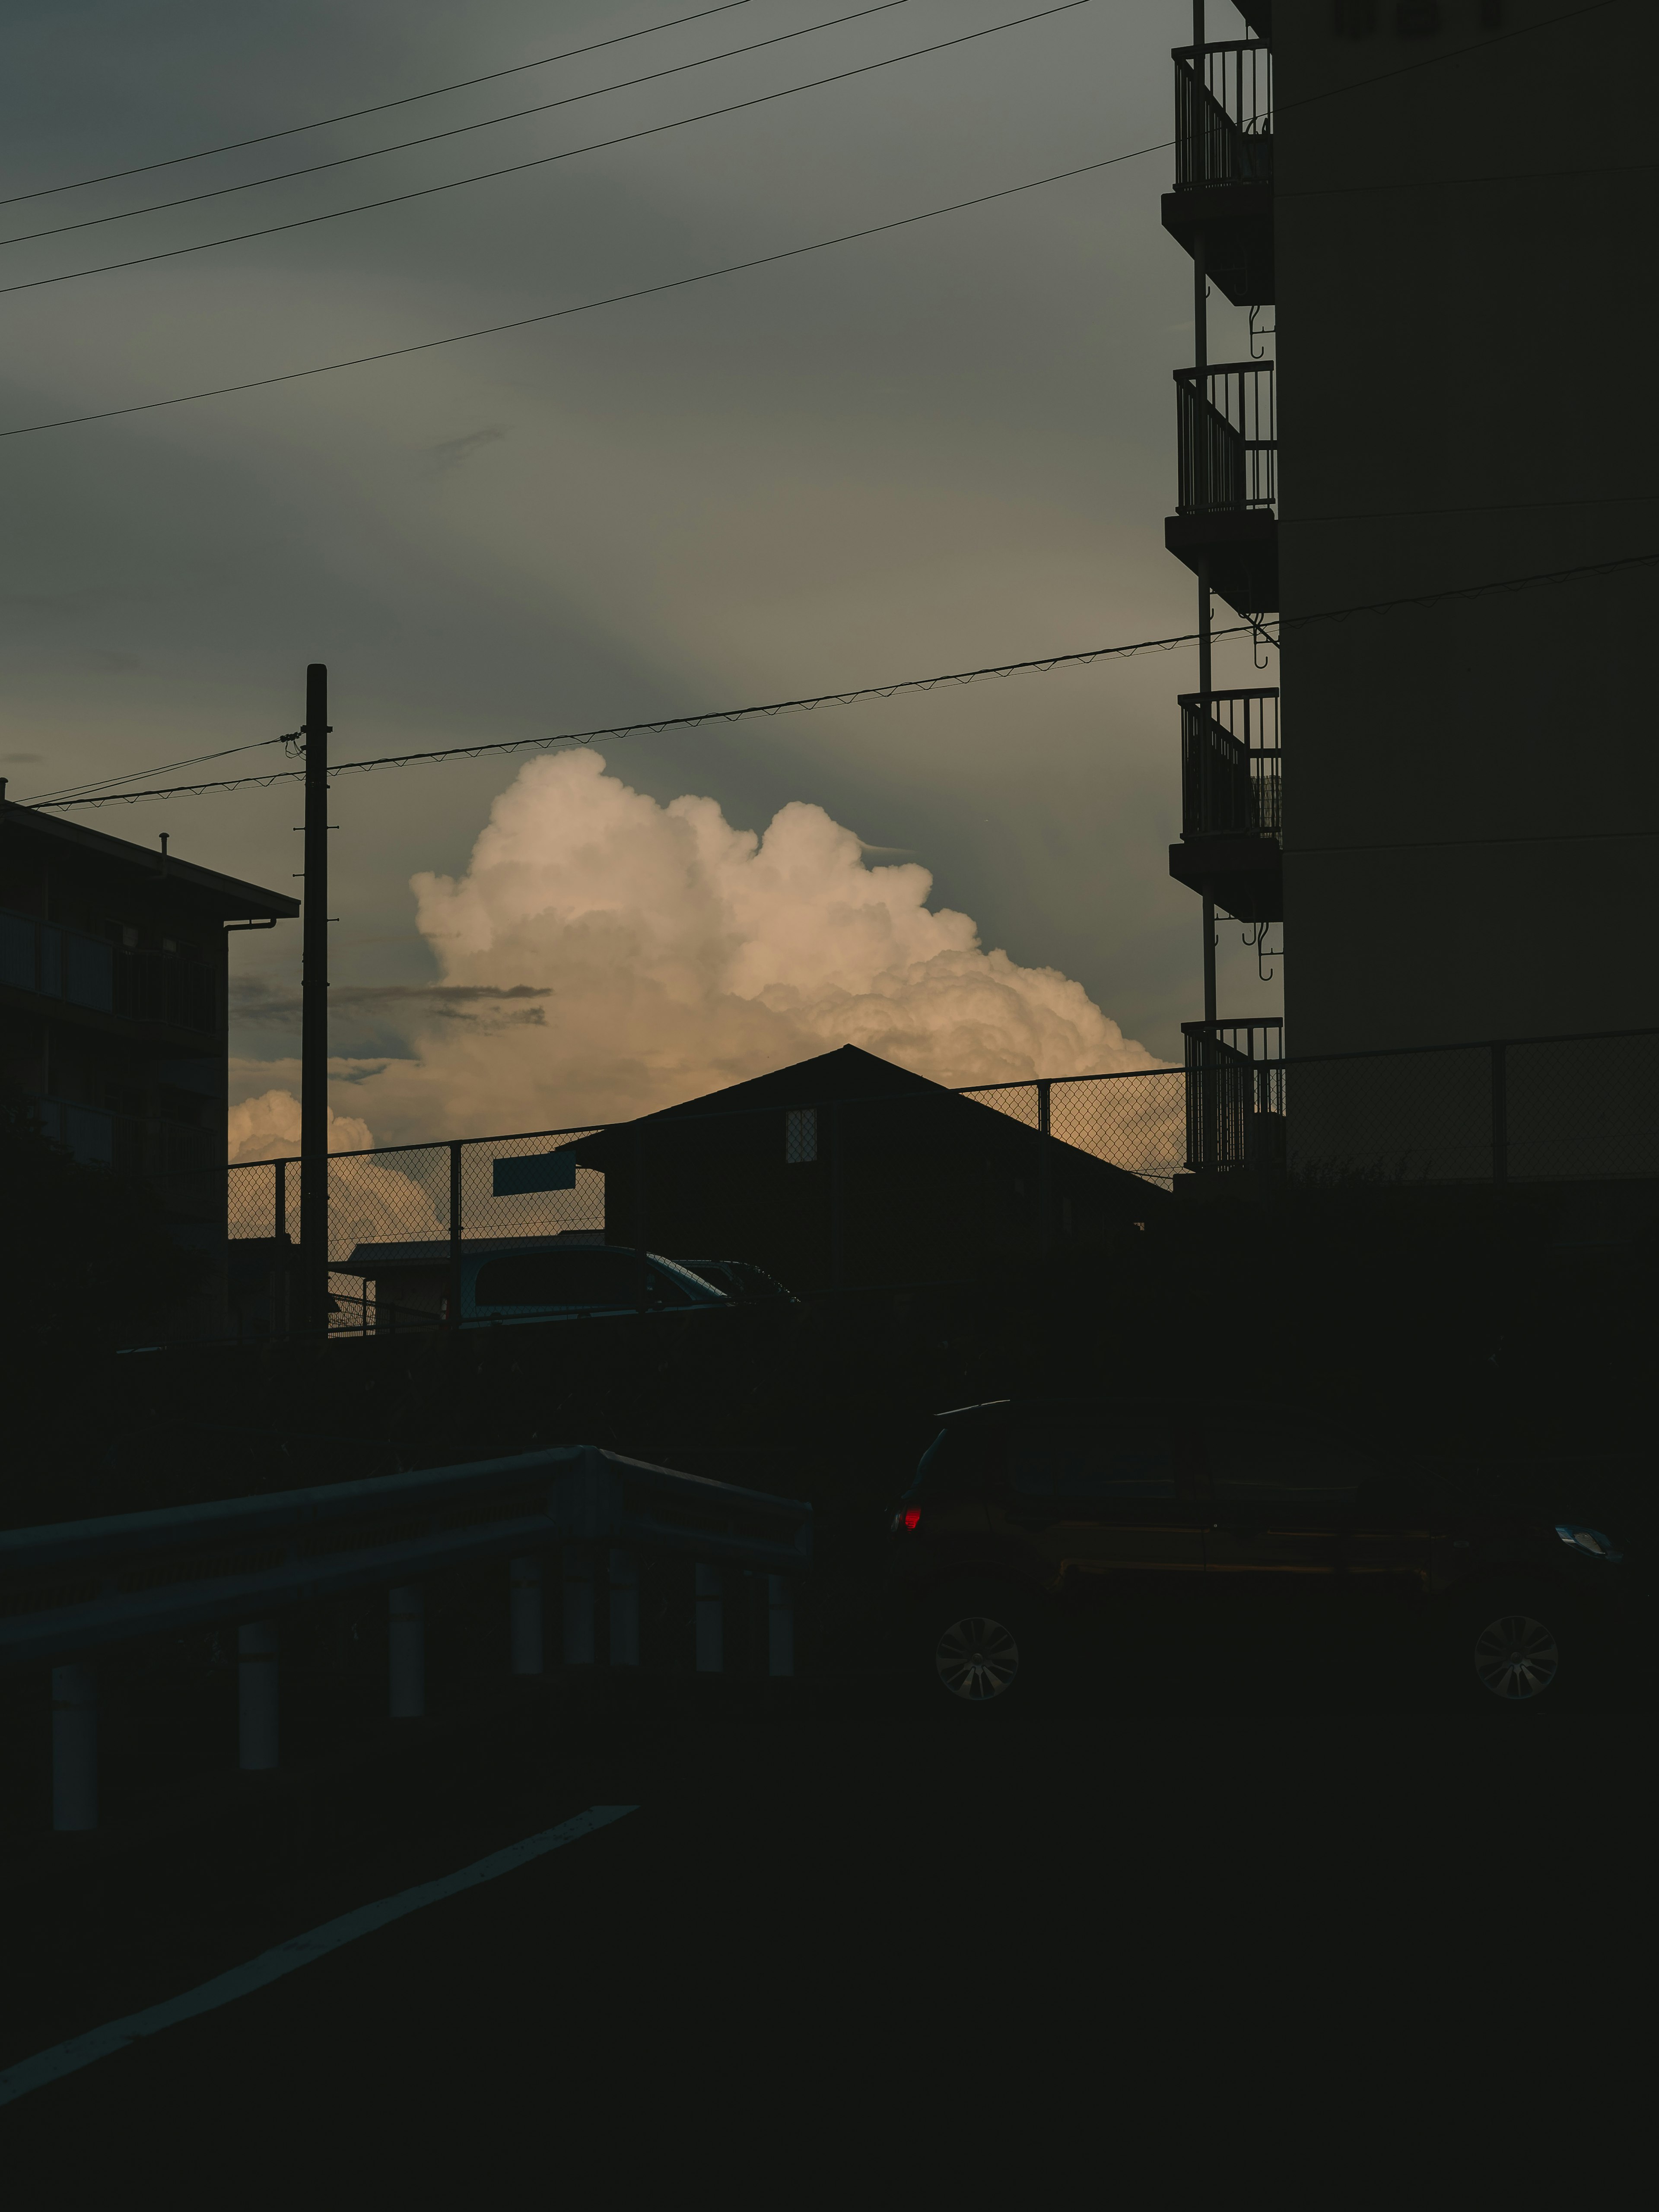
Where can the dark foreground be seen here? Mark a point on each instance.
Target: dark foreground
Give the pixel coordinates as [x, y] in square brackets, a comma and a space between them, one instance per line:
[834, 1907]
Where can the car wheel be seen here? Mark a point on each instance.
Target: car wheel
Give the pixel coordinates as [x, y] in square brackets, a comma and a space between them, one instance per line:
[977, 1644]
[1510, 1647]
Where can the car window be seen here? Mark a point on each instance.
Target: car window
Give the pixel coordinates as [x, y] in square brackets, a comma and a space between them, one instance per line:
[959, 1460]
[1283, 1462]
[586, 1276]
[1090, 1454]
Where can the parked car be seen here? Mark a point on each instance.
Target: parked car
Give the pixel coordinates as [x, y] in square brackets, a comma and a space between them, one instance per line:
[1025, 1512]
[586, 1279]
[743, 1281]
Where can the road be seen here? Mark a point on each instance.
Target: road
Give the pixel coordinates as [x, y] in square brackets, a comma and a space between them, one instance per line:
[826, 1907]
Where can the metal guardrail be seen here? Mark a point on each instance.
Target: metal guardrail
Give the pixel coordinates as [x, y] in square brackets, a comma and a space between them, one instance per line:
[1224, 114]
[76, 1588]
[1227, 438]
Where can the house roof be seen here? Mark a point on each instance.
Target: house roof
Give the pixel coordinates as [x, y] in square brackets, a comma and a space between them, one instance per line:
[235, 900]
[847, 1074]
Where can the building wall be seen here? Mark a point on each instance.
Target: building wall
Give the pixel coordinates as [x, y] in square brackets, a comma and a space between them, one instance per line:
[1471, 790]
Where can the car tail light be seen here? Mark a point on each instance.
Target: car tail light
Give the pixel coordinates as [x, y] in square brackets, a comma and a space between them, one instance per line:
[912, 1517]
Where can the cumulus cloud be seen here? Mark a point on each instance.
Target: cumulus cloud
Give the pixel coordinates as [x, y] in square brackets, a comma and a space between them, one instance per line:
[368, 1201]
[670, 954]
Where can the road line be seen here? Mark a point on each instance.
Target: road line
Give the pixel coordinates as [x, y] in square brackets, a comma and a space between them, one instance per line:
[298, 1951]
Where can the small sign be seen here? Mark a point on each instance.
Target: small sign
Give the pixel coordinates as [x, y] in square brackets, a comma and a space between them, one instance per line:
[534, 1172]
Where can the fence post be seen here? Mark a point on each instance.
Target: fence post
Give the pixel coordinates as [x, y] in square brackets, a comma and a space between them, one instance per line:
[256, 1696]
[578, 1605]
[780, 1625]
[454, 1315]
[1500, 1113]
[525, 1603]
[1045, 1166]
[74, 1747]
[407, 1648]
[711, 1654]
[624, 1609]
[282, 1273]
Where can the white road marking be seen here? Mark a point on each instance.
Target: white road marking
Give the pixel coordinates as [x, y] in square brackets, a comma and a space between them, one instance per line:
[298, 1951]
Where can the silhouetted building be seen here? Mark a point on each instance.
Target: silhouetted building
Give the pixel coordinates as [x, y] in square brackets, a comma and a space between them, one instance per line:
[1455, 828]
[845, 1170]
[113, 963]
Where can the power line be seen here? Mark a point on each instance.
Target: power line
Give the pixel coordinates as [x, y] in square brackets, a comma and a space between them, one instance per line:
[865, 691]
[353, 114]
[541, 161]
[457, 130]
[584, 307]
[731, 268]
[68, 793]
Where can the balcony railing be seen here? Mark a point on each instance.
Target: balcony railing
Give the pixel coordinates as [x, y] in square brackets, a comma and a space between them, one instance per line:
[1234, 1093]
[149, 985]
[1229, 774]
[1223, 115]
[160, 1152]
[1228, 437]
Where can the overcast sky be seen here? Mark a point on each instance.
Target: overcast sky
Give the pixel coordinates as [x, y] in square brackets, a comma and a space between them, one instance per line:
[943, 447]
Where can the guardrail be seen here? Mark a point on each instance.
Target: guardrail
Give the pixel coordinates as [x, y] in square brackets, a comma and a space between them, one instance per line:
[76, 1588]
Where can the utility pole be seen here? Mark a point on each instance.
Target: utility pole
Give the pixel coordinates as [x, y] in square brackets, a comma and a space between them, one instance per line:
[313, 1301]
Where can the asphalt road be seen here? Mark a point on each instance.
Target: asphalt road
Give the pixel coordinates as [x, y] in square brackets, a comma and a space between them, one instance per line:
[827, 1908]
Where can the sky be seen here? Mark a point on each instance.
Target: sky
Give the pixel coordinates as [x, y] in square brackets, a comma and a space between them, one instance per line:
[943, 447]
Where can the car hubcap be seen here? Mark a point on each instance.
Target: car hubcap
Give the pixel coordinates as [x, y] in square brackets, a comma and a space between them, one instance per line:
[1516, 1657]
[977, 1658]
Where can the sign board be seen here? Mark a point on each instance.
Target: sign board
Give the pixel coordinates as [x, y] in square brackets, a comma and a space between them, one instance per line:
[534, 1172]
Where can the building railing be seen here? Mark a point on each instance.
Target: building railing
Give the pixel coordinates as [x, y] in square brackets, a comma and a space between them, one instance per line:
[1229, 764]
[72, 1591]
[160, 1152]
[1227, 438]
[1223, 115]
[1234, 1084]
[141, 984]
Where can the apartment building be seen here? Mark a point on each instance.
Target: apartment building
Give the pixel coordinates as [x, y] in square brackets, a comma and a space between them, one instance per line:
[113, 967]
[1432, 213]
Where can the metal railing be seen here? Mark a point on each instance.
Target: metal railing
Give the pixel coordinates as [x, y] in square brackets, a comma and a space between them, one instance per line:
[736, 1184]
[1231, 783]
[1235, 1090]
[132, 1143]
[142, 984]
[1574, 1109]
[1223, 119]
[70, 1592]
[1227, 438]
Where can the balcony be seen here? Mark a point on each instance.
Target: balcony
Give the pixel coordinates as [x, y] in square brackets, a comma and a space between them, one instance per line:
[1229, 803]
[1224, 165]
[1234, 1095]
[1226, 429]
[172, 990]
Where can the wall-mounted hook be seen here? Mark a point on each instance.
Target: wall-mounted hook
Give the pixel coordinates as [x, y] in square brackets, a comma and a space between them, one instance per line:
[1253, 937]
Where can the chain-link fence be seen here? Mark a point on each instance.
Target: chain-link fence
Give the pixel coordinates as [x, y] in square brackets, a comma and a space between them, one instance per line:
[395, 1213]
[1537, 1111]
[902, 1187]
[1135, 1121]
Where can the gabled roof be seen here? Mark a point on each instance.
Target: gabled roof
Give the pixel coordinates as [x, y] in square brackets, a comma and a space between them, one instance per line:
[847, 1074]
[235, 900]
